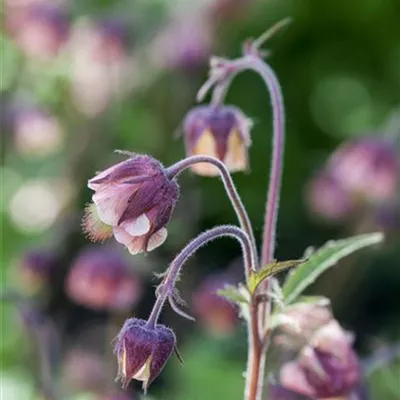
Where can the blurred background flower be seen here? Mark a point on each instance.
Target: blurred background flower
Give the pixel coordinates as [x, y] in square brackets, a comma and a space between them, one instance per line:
[80, 79]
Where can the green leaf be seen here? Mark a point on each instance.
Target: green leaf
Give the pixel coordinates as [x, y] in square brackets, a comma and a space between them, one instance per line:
[268, 270]
[234, 294]
[324, 258]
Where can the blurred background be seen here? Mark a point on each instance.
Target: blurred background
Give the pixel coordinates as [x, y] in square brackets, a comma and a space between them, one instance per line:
[82, 78]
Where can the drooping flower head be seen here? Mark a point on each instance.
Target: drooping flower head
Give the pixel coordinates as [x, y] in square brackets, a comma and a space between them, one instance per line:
[217, 314]
[368, 168]
[362, 172]
[142, 351]
[218, 131]
[134, 201]
[327, 367]
[102, 279]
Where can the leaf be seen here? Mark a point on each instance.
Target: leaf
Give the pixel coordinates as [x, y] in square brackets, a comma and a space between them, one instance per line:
[268, 270]
[324, 258]
[233, 294]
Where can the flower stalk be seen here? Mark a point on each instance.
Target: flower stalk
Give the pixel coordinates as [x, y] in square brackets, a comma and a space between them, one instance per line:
[222, 74]
[230, 188]
[167, 287]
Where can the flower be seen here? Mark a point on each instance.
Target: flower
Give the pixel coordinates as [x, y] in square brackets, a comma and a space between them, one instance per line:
[218, 131]
[195, 38]
[368, 168]
[216, 313]
[142, 351]
[299, 323]
[36, 268]
[101, 279]
[43, 31]
[36, 132]
[327, 367]
[101, 65]
[133, 200]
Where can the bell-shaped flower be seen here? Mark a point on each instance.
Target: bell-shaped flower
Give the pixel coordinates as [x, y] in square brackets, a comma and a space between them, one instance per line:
[367, 168]
[217, 131]
[326, 368]
[102, 279]
[134, 201]
[143, 351]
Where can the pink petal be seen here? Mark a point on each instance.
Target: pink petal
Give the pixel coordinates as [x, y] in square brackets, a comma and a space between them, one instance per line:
[111, 202]
[135, 246]
[121, 236]
[136, 227]
[292, 377]
[157, 239]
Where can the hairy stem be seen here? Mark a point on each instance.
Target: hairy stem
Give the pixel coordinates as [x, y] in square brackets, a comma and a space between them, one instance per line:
[258, 315]
[166, 288]
[230, 188]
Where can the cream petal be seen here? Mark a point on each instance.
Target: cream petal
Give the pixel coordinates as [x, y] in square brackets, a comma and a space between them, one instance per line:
[111, 202]
[236, 154]
[205, 146]
[121, 236]
[157, 239]
[136, 227]
[144, 372]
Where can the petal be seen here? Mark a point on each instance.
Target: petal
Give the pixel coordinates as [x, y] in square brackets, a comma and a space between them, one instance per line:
[157, 239]
[236, 155]
[293, 378]
[122, 236]
[136, 227]
[205, 146]
[111, 201]
[144, 372]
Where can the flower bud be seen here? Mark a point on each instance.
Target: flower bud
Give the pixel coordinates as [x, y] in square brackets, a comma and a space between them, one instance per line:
[36, 133]
[218, 315]
[367, 168]
[327, 367]
[135, 198]
[102, 279]
[217, 131]
[142, 351]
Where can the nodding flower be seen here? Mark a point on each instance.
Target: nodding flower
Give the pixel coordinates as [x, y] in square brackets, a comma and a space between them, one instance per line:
[133, 201]
[102, 279]
[326, 367]
[143, 351]
[219, 131]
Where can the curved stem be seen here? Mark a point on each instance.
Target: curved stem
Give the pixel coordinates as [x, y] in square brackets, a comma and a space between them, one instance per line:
[166, 288]
[257, 344]
[230, 188]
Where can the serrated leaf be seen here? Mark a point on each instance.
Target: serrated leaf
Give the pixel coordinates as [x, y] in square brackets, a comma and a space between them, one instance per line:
[269, 270]
[324, 258]
[233, 294]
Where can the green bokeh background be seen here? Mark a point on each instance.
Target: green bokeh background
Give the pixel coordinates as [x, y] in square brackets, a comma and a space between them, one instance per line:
[339, 66]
